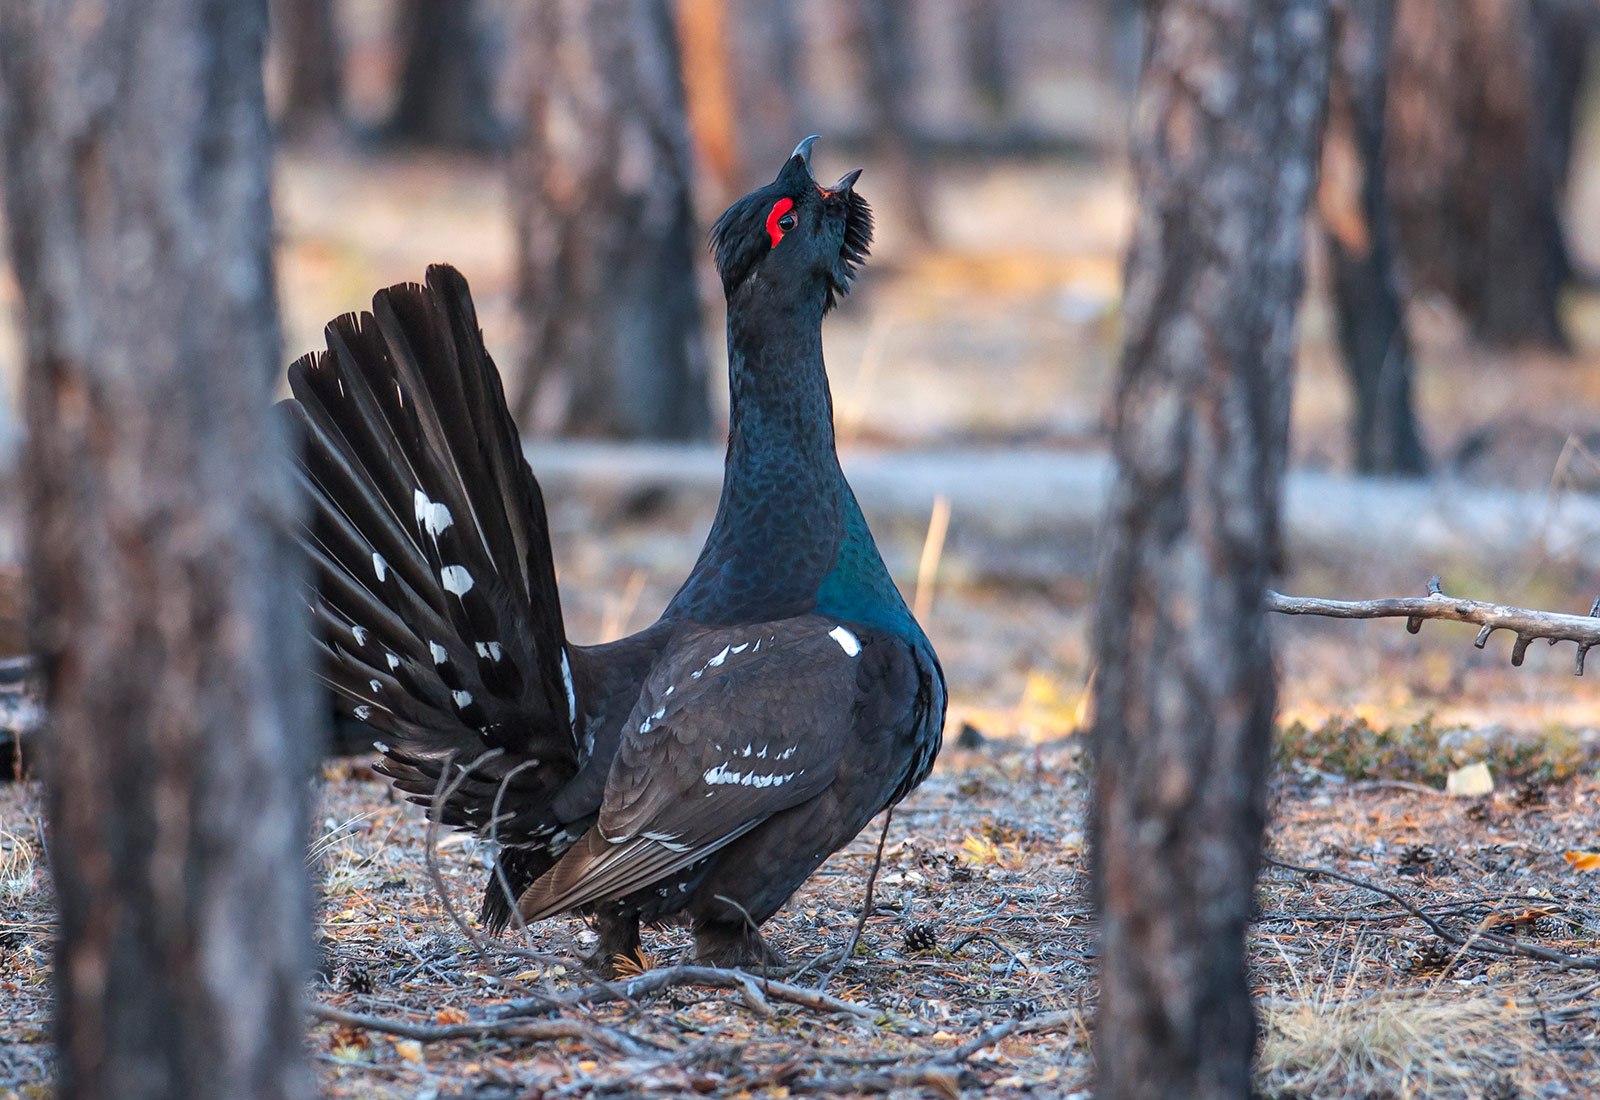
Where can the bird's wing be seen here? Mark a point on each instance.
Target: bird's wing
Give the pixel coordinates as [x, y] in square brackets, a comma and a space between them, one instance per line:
[435, 593]
[734, 725]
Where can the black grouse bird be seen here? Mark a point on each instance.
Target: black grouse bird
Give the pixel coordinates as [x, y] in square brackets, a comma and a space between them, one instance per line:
[700, 769]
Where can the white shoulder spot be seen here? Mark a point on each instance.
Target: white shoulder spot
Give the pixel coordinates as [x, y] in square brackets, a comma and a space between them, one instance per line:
[463, 699]
[393, 659]
[380, 568]
[847, 641]
[456, 580]
[491, 650]
[360, 634]
[438, 652]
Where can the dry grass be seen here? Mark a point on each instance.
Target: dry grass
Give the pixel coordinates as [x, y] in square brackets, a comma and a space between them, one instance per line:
[19, 870]
[1343, 1040]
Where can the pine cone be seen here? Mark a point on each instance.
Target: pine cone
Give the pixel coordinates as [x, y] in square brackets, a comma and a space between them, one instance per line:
[1433, 957]
[921, 937]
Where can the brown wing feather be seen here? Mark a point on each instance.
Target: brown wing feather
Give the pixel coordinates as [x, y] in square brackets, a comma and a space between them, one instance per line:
[733, 726]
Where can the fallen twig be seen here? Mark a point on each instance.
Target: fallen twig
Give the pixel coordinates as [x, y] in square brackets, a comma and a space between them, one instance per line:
[755, 989]
[1488, 943]
[866, 906]
[520, 1028]
[1526, 624]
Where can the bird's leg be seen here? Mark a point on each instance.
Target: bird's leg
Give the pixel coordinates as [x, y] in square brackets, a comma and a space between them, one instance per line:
[619, 938]
[733, 944]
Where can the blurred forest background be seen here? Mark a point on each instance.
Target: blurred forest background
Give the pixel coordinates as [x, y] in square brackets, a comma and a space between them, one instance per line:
[569, 157]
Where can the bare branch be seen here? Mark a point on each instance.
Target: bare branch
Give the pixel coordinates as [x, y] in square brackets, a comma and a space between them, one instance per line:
[866, 906]
[595, 1035]
[654, 981]
[1526, 624]
[1477, 940]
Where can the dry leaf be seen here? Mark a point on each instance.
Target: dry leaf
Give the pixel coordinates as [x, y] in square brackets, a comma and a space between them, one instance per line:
[1583, 861]
[452, 1015]
[982, 852]
[410, 1050]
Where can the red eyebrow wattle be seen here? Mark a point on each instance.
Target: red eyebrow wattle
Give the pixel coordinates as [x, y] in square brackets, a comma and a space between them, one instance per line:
[779, 209]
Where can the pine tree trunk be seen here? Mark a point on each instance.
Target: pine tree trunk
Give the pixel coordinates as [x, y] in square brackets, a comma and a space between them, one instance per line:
[985, 26]
[745, 103]
[446, 95]
[313, 68]
[773, 114]
[1225, 159]
[1373, 338]
[885, 29]
[605, 227]
[1476, 167]
[166, 605]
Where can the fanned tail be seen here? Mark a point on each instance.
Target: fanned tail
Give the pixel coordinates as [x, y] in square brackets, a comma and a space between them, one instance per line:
[434, 589]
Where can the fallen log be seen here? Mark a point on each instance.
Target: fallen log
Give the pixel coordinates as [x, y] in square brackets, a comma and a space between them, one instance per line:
[1057, 498]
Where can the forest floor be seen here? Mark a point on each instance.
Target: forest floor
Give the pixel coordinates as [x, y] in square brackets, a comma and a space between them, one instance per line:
[974, 973]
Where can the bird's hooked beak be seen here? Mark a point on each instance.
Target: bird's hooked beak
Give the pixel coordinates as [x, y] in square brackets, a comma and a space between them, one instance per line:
[839, 189]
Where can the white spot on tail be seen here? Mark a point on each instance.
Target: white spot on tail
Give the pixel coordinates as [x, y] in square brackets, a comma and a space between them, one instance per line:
[490, 650]
[456, 579]
[435, 518]
[363, 712]
[847, 641]
[394, 662]
[438, 652]
[360, 634]
[380, 567]
[463, 699]
[376, 685]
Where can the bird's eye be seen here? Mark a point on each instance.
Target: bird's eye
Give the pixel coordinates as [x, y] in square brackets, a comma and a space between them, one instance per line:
[780, 219]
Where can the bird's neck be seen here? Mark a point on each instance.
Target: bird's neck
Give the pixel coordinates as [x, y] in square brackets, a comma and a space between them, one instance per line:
[788, 537]
[781, 413]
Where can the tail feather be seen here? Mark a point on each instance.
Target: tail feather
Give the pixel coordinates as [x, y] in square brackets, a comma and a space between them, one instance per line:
[435, 595]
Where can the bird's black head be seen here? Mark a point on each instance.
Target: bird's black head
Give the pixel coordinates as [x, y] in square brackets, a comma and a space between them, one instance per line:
[795, 234]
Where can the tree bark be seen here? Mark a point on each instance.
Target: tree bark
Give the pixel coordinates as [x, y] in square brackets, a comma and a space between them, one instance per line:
[885, 29]
[1478, 92]
[446, 95]
[745, 102]
[1225, 158]
[987, 54]
[773, 113]
[1373, 338]
[313, 69]
[605, 227]
[166, 601]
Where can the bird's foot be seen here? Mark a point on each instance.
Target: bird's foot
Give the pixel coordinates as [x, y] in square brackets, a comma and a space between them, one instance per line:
[735, 946]
[619, 940]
